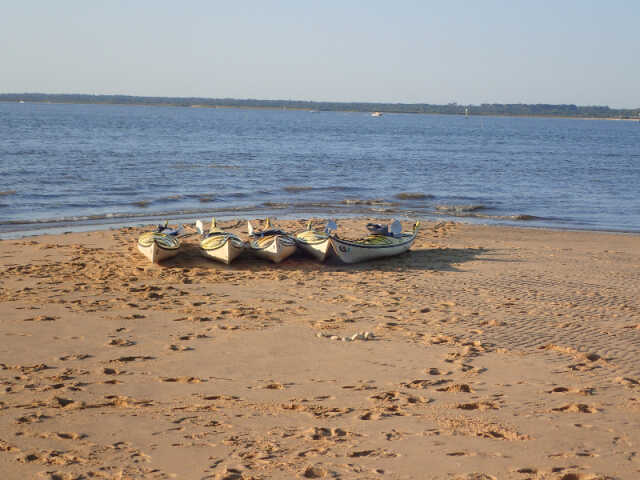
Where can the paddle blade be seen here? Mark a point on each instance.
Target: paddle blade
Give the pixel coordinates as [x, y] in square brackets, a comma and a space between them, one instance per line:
[309, 225]
[213, 224]
[331, 225]
[200, 227]
[395, 228]
[250, 228]
[267, 223]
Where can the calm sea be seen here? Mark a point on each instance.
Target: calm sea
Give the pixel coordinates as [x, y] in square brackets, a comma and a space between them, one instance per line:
[73, 167]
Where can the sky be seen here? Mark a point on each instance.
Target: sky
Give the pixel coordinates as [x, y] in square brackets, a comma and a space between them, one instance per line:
[584, 52]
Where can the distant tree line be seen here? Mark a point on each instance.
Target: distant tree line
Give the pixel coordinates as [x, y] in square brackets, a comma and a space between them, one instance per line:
[513, 109]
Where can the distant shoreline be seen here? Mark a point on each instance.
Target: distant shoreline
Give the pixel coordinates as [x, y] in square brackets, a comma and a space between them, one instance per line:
[483, 110]
[303, 109]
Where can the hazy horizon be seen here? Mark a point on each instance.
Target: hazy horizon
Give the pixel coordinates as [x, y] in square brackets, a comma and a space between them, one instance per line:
[296, 99]
[574, 52]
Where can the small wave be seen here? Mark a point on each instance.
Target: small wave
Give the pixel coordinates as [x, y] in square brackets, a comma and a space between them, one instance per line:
[171, 197]
[470, 214]
[384, 210]
[78, 218]
[315, 204]
[223, 166]
[344, 188]
[412, 196]
[457, 209]
[518, 217]
[142, 203]
[122, 216]
[296, 188]
[237, 195]
[206, 198]
[7, 192]
[185, 165]
[523, 217]
[275, 205]
[356, 201]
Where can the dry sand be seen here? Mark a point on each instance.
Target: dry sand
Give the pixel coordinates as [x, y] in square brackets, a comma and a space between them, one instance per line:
[499, 353]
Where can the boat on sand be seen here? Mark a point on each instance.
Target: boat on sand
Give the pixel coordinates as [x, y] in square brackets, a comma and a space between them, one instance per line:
[160, 244]
[218, 244]
[316, 243]
[271, 243]
[383, 241]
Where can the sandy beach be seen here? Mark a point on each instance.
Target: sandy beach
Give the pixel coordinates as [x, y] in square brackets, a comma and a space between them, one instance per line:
[495, 353]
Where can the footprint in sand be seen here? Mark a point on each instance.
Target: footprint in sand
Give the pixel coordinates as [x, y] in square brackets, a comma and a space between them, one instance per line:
[313, 471]
[65, 403]
[180, 348]
[322, 433]
[31, 418]
[120, 342]
[133, 358]
[42, 318]
[628, 382]
[82, 356]
[362, 453]
[527, 470]
[576, 408]
[64, 435]
[369, 415]
[386, 396]
[183, 379]
[274, 386]
[581, 391]
[577, 476]
[424, 384]
[477, 406]
[456, 388]
[112, 371]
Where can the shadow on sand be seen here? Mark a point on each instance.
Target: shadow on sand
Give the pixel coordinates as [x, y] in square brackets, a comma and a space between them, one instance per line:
[438, 259]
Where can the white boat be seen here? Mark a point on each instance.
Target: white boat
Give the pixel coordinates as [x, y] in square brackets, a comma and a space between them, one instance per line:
[315, 243]
[376, 114]
[384, 241]
[218, 244]
[161, 244]
[271, 244]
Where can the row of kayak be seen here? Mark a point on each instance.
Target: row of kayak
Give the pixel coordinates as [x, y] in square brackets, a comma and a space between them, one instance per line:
[276, 245]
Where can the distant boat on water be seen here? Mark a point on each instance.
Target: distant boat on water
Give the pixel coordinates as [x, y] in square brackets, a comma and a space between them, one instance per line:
[376, 114]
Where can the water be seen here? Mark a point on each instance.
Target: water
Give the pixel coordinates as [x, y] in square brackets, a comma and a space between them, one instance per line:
[70, 167]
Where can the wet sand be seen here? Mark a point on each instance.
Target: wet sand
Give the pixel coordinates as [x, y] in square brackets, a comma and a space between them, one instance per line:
[496, 353]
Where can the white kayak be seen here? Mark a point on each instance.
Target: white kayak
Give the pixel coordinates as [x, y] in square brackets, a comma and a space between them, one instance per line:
[160, 244]
[218, 244]
[316, 243]
[271, 244]
[376, 245]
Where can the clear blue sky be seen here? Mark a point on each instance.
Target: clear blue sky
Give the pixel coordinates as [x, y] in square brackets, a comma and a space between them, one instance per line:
[585, 52]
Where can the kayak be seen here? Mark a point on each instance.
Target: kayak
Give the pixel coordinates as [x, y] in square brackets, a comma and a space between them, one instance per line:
[219, 245]
[271, 244]
[381, 243]
[161, 244]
